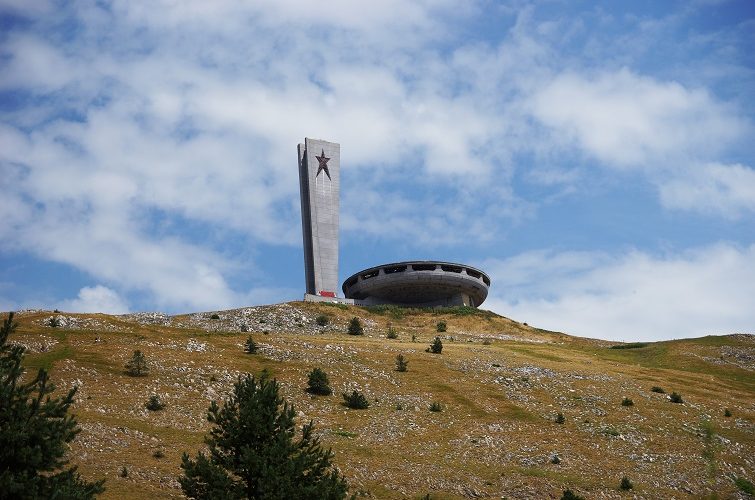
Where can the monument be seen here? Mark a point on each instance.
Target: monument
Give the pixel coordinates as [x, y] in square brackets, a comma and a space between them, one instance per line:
[319, 182]
[410, 284]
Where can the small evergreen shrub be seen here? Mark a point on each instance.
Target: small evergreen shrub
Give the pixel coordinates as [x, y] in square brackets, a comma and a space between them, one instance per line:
[676, 398]
[391, 333]
[570, 495]
[555, 460]
[318, 383]
[244, 328]
[627, 402]
[657, 389]
[436, 347]
[137, 365]
[626, 484]
[356, 400]
[727, 412]
[250, 346]
[154, 403]
[744, 486]
[158, 454]
[414, 338]
[560, 418]
[322, 320]
[487, 342]
[215, 316]
[124, 472]
[401, 363]
[435, 407]
[54, 322]
[441, 326]
[355, 327]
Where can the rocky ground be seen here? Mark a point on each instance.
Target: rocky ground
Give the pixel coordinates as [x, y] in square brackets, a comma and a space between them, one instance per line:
[500, 384]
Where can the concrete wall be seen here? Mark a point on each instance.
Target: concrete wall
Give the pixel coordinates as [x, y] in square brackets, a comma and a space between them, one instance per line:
[319, 211]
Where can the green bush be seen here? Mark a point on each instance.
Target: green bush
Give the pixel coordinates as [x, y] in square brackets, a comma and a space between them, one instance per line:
[555, 460]
[250, 346]
[137, 365]
[626, 484]
[401, 363]
[244, 328]
[54, 322]
[441, 326]
[727, 412]
[744, 486]
[396, 312]
[560, 418]
[570, 495]
[436, 347]
[322, 320]
[676, 398]
[318, 383]
[391, 333]
[215, 316]
[627, 402]
[339, 305]
[355, 327]
[657, 389]
[631, 345]
[154, 403]
[124, 472]
[356, 400]
[158, 454]
[435, 407]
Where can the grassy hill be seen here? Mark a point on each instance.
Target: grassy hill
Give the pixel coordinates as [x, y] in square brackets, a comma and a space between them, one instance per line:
[500, 385]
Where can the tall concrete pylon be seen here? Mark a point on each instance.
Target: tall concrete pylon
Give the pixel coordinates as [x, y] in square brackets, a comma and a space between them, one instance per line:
[319, 183]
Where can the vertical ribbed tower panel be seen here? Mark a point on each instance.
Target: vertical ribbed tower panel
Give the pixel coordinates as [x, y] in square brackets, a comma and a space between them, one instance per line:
[319, 183]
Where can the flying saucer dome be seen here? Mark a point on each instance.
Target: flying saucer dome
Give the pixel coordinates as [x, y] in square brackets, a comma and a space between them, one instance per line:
[423, 283]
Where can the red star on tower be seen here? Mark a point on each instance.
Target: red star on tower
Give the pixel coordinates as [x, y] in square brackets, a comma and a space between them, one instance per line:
[323, 164]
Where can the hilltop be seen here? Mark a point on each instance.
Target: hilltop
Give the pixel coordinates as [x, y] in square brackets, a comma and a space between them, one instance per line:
[500, 384]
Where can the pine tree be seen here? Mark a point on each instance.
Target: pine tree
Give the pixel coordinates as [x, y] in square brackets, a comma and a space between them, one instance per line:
[250, 347]
[436, 347]
[401, 363]
[34, 432]
[253, 453]
[318, 383]
[355, 327]
[137, 365]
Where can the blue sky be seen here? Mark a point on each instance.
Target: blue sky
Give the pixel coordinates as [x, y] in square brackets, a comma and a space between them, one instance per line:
[596, 159]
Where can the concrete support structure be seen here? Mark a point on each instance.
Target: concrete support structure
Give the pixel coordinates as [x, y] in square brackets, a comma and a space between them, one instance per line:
[319, 183]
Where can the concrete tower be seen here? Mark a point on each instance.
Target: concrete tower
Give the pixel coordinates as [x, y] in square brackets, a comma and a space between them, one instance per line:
[319, 182]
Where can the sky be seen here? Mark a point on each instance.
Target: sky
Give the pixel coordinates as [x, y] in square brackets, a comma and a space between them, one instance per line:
[596, 159]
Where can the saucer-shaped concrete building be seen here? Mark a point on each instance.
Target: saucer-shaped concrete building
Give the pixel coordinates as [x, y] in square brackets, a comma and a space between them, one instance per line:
[423, 283]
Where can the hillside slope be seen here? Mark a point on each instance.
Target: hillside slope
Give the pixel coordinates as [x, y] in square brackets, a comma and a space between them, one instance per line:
[500, 384]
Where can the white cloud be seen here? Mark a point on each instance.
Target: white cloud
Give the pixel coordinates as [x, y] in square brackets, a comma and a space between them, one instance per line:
[629, 120]
[96, 299]
[633, 296]
[727, 190]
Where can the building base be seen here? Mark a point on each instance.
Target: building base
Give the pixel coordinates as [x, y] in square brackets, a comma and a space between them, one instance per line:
[308, 297]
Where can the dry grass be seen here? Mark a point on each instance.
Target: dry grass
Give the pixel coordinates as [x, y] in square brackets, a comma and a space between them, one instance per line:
[500, 384]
